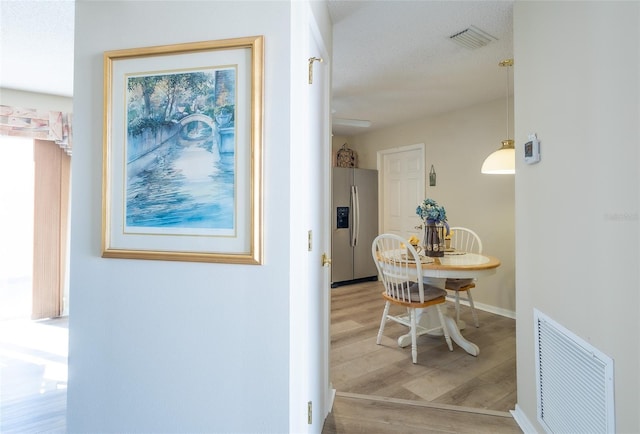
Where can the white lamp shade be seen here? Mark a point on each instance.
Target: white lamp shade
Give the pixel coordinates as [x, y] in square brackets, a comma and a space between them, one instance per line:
[501, 162]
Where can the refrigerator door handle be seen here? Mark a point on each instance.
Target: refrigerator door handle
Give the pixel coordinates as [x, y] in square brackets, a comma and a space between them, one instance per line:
[354, 215]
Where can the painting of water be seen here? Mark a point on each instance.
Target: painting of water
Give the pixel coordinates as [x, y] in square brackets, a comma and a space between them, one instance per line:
[180, 151]
[182, 148]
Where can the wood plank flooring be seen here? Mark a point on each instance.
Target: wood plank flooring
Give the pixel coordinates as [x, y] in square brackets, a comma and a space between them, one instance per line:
[359, 415]
[370, 377]
[379, 390]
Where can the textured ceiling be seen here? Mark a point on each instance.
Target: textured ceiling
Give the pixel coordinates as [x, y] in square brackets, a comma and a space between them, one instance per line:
[393, 60]
[36, 46]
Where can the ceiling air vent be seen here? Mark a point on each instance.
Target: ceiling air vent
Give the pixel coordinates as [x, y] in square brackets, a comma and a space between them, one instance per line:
[472, 38]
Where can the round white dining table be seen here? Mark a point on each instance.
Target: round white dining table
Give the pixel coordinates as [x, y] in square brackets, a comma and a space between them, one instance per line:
[435, 271]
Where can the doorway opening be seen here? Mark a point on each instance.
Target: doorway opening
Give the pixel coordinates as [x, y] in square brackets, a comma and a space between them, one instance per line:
[16, 227]
[33, 354]
[360, 368]
[35, 191]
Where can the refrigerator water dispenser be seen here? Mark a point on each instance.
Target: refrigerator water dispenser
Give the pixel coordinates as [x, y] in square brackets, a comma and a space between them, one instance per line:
[343, 217]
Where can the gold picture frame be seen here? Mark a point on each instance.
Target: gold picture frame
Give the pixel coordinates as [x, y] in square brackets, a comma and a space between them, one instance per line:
[182, 152]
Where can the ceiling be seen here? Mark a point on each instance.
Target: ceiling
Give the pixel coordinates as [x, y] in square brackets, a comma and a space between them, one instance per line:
[36, 46]
[393, 61]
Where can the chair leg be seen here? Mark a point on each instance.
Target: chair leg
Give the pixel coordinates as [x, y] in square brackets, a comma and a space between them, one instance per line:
[445, 330]
[414, 336]
[473, 308]
[457, 306]
[383, 321]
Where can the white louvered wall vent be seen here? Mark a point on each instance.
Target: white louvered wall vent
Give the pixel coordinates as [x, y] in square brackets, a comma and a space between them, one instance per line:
[574, 381]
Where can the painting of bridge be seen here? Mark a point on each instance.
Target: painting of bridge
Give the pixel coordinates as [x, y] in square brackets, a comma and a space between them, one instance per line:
[180, 151]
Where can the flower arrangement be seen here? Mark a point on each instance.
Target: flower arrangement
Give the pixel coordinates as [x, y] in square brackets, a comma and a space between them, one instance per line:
[414, 241]
[436, 227]
[429, 210]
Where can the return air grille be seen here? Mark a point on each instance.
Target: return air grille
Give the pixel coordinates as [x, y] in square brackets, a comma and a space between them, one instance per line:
[574, 381]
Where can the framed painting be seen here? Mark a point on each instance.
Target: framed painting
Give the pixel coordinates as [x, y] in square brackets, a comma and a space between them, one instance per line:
[182, 152]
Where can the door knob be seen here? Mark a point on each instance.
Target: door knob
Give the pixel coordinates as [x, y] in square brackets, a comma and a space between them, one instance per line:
[326, 261]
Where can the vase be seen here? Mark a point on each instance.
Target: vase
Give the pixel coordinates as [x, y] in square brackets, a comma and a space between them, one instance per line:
[433, 242]
[223, 118]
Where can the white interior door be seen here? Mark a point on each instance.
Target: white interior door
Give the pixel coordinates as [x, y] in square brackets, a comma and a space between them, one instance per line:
[402, 188]
[310, 392]
[320, 194]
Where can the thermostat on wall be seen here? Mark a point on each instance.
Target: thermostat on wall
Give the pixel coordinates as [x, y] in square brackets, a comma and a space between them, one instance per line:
[532, 150]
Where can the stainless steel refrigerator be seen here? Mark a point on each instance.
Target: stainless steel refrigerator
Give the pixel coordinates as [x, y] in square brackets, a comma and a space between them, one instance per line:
[355, 225]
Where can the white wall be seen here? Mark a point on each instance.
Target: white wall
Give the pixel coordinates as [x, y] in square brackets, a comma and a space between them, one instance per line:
[161, 346]
[456, 144]
[32, 100]
[577, 72]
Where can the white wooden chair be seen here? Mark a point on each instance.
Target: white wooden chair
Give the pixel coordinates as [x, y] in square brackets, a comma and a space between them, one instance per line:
[465, 240]
[400, 270]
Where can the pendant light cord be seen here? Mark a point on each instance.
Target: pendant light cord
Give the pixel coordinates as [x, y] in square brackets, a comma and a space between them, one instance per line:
[507, 63]
[508, 136]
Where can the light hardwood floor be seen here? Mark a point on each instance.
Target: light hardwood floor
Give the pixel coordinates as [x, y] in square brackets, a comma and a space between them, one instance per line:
[379, 390]
[379, 384]
[33, 376]
[355, 415]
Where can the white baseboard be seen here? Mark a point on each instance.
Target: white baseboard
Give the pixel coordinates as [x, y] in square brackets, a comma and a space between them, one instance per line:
[523, 421]
[486, 307]
[330, 399]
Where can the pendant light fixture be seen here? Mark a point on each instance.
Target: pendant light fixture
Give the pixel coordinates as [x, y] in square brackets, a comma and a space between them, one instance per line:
[502, 161]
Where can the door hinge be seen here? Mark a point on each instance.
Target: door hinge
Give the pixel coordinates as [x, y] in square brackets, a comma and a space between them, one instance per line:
[311, 60]
[309, 411]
